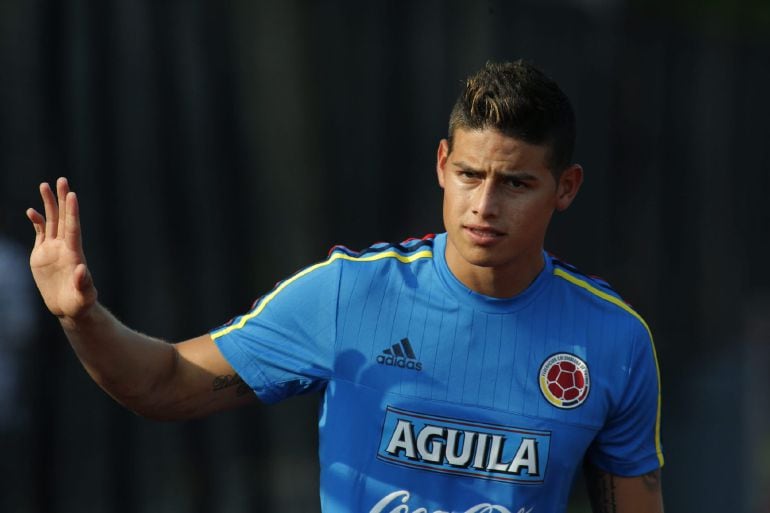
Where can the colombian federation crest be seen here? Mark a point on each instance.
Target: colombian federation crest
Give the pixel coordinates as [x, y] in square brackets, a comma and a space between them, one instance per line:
[564, 380]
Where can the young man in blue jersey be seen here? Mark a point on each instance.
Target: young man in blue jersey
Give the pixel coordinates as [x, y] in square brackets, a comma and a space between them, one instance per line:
[468, 371]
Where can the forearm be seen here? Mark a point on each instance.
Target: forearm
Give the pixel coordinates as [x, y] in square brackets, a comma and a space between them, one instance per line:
[131, 367]
[149, 376]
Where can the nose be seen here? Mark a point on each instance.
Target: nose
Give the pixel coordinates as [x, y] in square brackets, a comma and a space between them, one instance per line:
[485, 201]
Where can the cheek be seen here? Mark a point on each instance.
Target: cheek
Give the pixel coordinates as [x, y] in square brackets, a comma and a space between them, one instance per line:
[452, 204]
[447, 212]
[532, 217]
[542, 218]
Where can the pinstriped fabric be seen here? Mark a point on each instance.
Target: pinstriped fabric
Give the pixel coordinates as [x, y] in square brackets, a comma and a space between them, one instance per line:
[391, 330]
[584, 284]
[241, 321]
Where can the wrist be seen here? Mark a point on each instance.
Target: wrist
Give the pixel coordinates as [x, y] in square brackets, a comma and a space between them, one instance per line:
[84, 319]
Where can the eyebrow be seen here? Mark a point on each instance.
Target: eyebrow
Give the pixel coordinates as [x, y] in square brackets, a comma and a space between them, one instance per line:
[518, 174]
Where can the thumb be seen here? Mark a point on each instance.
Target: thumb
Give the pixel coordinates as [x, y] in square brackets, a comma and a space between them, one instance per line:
[82, 278]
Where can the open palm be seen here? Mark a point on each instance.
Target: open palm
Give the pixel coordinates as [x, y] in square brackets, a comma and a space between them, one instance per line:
[57, 260]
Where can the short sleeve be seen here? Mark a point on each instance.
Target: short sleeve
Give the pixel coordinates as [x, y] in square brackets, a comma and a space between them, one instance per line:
[284, 345]
[629, 442]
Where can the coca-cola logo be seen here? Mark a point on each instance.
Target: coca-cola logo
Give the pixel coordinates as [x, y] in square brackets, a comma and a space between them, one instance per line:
[397, 502]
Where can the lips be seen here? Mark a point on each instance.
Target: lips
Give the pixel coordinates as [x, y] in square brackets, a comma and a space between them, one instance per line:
[483, 234]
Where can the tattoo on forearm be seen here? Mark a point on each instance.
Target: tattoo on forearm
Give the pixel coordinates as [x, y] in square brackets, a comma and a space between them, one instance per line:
[651, 481]
[229, 381]
[601, 490]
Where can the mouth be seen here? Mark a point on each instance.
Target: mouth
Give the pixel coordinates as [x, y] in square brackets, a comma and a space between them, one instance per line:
[483, 234]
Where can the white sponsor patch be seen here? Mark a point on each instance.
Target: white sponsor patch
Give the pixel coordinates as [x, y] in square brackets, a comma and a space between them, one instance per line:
[463, 447]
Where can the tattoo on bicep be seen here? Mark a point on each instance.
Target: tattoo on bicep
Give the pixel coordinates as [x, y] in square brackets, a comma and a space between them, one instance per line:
[651, 481]
[229, 381]
[601, 490]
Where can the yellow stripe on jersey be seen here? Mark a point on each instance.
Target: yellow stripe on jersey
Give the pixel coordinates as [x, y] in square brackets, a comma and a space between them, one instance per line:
[619, 302]
[426, 253]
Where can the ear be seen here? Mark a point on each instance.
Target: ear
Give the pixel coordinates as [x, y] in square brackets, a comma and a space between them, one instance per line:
[441, 157]
[569, 184]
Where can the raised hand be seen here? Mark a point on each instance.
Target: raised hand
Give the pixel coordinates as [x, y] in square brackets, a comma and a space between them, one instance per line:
[57, 260]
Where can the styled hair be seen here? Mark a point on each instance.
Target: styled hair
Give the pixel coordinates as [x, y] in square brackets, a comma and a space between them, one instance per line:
[520, 101]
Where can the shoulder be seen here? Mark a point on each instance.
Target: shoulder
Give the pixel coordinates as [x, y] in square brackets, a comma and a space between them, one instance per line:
[408, 251]
[344, 273]
[597, 292]
[342, 262]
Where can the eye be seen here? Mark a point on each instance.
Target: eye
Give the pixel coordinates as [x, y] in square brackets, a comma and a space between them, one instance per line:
[515, 183]
[466, 174]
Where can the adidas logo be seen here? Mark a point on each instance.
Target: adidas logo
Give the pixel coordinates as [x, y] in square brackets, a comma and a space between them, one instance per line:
[400, 355]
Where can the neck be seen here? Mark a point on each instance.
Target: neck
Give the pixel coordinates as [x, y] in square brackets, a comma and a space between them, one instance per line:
[496, 281]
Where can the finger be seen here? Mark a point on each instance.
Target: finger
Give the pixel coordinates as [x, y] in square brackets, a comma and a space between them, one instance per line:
[71, 226]
[38, 223]
[62, 188]
[51, 211]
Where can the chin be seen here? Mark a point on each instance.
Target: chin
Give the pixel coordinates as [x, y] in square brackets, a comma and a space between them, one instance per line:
[480, 259]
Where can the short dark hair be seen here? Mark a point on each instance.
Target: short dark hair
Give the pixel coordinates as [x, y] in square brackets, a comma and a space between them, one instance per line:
[520, 101]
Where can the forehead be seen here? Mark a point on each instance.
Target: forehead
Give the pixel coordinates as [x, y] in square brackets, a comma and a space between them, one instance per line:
[490, 148]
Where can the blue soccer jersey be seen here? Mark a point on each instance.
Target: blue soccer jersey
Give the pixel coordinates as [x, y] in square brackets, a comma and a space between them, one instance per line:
[439, 399]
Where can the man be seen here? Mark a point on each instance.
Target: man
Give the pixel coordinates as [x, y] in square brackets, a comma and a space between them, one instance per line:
[468, 371]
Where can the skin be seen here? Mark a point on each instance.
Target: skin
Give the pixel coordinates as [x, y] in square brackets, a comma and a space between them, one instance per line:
[149, 376]
[499, 197]
[614, 494]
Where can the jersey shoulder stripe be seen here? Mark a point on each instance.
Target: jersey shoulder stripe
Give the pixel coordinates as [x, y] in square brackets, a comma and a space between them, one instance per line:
[590, 285]
[404, 248]
[595, 286]
[406, 252]
[596, 280]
